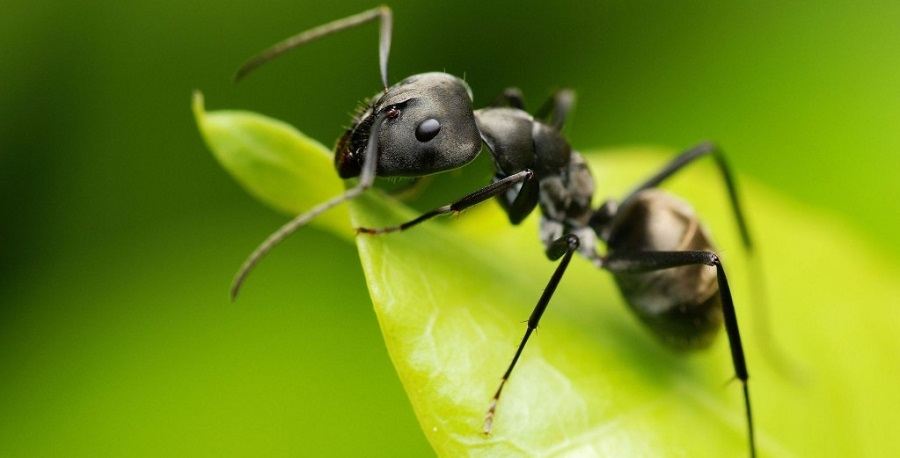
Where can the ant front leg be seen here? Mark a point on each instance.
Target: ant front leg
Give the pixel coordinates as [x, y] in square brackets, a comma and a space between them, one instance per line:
[511, 97]
[553, 112]
[640, 262]
[562, 247]
[556, 109]
[477, 197]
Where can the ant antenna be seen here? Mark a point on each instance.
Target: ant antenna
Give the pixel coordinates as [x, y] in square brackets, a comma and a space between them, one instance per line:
[366, 178]
[383, 13]
[367, 175]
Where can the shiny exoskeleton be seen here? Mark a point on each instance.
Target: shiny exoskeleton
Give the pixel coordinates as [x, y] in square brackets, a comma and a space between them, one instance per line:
[657, 250]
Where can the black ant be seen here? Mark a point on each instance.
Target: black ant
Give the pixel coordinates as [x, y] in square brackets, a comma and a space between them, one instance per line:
[657, 250]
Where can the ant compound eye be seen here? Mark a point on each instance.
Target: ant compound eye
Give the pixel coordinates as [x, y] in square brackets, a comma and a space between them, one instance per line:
[393, 112]
[427, 129]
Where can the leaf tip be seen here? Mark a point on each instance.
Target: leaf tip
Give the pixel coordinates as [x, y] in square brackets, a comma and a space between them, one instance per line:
[197, 105]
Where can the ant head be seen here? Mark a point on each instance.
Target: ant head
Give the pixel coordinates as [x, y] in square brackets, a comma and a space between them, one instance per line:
[429, 127]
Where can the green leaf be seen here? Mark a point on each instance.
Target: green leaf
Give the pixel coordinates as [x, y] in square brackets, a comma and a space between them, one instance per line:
[270, 159]
[451, 296]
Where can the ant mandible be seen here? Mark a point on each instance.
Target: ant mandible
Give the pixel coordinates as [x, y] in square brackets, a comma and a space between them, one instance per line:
[657, 250]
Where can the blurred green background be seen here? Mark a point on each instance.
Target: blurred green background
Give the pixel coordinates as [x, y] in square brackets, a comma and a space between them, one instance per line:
[120, 234]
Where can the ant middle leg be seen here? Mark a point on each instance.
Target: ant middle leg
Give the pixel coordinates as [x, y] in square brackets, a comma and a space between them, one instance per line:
[563, 247]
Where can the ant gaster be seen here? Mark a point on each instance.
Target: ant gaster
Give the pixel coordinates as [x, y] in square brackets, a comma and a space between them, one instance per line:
[657, 250]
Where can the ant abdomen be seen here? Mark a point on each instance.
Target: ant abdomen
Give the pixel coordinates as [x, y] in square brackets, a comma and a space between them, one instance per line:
[681, 305]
